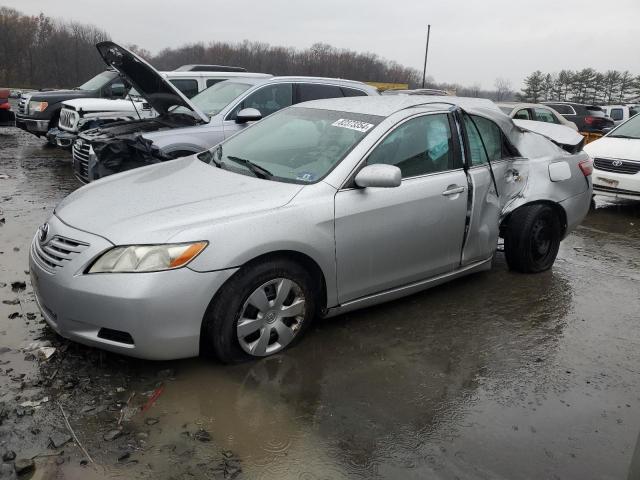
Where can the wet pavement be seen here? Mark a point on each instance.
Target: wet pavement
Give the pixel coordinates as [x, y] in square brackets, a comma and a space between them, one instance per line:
[495, 376]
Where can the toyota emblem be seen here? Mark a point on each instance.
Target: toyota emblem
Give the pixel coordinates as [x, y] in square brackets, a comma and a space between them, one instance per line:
[617, 163]
[43, 231]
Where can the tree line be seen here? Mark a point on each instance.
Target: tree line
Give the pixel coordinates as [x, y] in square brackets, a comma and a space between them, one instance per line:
[37, 51]
[582, 86]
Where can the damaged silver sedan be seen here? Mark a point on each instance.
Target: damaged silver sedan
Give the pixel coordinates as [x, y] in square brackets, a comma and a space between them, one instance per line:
[319, 209]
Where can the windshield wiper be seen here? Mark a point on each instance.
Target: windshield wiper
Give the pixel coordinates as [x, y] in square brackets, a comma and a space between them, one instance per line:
[623, 136]
[257, 170]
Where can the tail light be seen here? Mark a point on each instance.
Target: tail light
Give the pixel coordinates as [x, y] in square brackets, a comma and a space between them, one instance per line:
[589, 120]
[586, 166]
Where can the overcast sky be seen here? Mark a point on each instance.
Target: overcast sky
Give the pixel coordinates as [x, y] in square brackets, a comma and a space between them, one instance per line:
[471, 41]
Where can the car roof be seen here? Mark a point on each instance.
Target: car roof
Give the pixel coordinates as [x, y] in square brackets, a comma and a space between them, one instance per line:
[229, 75]
[385, 105]
[299, 79]
[521, 105]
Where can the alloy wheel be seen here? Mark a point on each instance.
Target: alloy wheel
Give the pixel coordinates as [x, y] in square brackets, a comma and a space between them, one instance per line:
[271, 317]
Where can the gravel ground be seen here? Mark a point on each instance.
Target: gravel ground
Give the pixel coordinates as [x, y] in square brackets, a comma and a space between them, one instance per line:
[493, 376]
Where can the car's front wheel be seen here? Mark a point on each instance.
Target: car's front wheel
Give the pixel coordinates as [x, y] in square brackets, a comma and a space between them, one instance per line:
[260, 311]
[532, 238]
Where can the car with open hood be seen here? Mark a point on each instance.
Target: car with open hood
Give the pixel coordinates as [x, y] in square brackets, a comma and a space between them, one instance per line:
[321, 208]
[186, 126]
[88, 113]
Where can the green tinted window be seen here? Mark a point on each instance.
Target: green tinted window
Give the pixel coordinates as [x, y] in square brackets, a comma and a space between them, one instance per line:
[419, 146]
[491, 136]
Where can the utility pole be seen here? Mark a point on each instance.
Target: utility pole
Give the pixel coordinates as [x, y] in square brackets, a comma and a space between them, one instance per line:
[426, 53]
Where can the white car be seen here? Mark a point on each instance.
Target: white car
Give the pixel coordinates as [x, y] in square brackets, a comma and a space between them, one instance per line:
[535, 112]
[616, 161]
[620, 113]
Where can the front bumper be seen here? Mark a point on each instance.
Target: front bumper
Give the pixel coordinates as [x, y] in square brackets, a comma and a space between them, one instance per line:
[161, 312]
[63, 139]
[37, 127]
[7, 118]
[619, 185]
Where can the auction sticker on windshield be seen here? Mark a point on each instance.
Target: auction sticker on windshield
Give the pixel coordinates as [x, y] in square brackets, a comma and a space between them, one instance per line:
[352, 124]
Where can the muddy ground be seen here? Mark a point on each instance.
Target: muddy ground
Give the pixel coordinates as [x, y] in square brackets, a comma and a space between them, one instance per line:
[494, 376]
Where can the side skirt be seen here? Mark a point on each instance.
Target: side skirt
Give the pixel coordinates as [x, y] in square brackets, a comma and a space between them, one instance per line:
[409, 289]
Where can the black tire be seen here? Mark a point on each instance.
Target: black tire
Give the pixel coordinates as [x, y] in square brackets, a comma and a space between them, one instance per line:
[532, 238]
[220, 323]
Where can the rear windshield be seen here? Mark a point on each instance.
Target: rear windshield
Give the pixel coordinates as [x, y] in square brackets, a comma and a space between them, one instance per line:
[98, 81]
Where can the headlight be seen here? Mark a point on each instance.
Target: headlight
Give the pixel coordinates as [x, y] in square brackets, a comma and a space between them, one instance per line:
[38, 106]
[147, 258]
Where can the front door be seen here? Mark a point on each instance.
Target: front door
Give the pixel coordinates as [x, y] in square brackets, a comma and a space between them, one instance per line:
[389, 237]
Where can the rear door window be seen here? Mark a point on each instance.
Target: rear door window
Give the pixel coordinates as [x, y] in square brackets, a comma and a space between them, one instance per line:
[188, 87]
[522, 114]
[544, 115]
[485, 137]
[314, 91]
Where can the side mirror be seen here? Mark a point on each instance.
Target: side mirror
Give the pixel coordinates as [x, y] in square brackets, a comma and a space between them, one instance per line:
[380, 176]
[117, 90]
[248, 115]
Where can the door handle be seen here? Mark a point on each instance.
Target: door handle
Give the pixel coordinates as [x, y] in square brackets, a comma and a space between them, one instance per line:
[452, 190]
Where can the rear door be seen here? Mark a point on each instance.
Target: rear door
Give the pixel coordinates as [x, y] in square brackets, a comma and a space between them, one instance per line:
[484, 142]
[389, 237]
[267, 99]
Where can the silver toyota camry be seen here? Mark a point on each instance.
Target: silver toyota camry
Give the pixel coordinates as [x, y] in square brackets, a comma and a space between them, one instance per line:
[319, 209]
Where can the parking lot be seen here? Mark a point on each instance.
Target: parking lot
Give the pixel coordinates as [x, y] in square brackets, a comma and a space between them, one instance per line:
[497, 375]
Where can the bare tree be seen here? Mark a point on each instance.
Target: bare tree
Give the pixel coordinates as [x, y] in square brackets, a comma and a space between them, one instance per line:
[503, 89]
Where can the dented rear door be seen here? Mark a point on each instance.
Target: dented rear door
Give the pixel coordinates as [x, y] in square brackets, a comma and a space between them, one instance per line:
[485, 141]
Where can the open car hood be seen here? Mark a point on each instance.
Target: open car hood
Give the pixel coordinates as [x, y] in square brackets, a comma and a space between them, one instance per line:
[157, 90]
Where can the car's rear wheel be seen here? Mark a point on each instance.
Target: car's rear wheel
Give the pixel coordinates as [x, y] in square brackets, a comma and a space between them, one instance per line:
[532, 238]
[261, 310]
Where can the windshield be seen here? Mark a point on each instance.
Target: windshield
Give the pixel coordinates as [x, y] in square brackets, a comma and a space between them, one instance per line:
[212, 100]
[298, 145]
[98, 81]
[629, 129]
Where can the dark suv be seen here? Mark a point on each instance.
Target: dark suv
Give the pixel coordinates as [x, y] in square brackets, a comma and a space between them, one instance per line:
[588, 118]
[39, 111]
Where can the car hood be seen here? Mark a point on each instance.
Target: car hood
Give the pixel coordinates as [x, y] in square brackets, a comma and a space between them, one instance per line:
[623, 148]
[157, 90]
[153, 204]
[100, 104]
[55, 96]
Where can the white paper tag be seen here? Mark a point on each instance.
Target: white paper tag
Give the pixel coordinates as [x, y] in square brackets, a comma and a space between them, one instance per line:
[352, 124]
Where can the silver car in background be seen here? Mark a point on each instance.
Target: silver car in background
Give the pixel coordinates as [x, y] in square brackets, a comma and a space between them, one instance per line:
[319, 209]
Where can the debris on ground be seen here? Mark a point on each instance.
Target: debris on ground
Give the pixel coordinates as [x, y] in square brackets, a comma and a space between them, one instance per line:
[18, 286]
[24, 465]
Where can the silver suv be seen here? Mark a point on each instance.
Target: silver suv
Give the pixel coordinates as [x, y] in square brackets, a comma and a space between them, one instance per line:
[187, 126]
